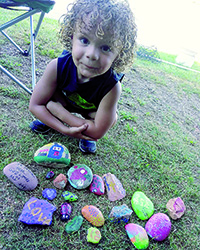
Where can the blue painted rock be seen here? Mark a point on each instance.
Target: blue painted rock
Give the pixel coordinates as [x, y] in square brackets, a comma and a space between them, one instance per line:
[65, 211]
[97, 185]
[158, 226]
[20, 176]
[93, 235]
[37, 211]
[137, 235]
[68, 196]
[80, 176]
[142, 205]
[60, 181]
[176, 208]
[114, 187]
[93, 215]
[74, 224]
[53, 154]
[120, 213]
[49, 193]
[50, 175]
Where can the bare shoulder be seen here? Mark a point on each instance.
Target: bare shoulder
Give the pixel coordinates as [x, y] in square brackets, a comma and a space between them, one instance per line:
[114, 93]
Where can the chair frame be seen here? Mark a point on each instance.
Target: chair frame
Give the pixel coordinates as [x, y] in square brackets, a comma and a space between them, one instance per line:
[29, 12]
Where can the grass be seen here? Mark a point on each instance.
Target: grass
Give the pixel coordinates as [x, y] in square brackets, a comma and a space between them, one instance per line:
[150, 149]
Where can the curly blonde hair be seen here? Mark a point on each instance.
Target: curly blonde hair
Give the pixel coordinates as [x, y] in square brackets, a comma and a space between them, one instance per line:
[114, 16]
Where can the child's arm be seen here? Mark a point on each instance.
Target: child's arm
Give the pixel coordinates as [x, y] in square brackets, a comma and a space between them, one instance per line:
[42, 93]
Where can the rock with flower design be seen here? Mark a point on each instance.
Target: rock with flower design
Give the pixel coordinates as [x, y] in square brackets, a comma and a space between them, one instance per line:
[97, 186]
[93, 215]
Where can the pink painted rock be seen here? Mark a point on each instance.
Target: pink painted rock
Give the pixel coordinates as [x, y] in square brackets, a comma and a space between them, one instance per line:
[158, 226]
[20, 176]
[176, 208]
[97, 185]
[137, 235]
[114, 187]
[93, 215]
[60, 181]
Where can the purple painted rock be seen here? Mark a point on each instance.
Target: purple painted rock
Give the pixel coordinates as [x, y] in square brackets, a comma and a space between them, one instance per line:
[68, 196]
[120, 213]
[65, 211]
[20, 176]
[80, 176]
[137, 235]
[93, 215]
[60, 181]
[114, 187]
[37, 211]
[53, 154]
[93, 235]
[158, 226]
[49, 193]
[176, 208]
[50, 175]
[97, 185]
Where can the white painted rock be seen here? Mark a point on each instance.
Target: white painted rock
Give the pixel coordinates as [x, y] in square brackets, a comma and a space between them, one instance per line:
[20, 176]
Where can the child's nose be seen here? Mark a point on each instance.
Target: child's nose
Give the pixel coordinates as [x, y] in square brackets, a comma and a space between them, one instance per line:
[92, 53]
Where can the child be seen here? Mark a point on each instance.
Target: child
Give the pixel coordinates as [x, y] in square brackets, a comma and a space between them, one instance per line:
[100, 38]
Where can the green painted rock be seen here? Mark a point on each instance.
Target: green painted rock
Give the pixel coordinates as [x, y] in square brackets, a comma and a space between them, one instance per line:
[53, 155]
[142, 205]
[68, 196]
[93, 235]
[74, 224]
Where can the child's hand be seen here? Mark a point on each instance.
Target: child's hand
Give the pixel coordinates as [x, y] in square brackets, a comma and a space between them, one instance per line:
[77, 132]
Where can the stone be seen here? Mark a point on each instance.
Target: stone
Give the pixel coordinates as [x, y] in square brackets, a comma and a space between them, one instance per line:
[120, 213]
[114, 187]
[80, 176]
[158, 226]
[93, 215]
[97, 186]
[74, 224]
[142, 205]
[65, 211]
[176, 208]
[37, 211]
[49, 193]
[93, 235]
[137, 235]
[60, 181]
[68, 196]
[50, 175]
[53, 155]
[20, 176]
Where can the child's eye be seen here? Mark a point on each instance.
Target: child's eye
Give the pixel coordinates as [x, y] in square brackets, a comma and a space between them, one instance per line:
[84, 40]
[106, 48]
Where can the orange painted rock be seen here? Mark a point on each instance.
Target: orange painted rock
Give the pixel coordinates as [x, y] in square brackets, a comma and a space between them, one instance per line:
[60, 181]
[93, 215]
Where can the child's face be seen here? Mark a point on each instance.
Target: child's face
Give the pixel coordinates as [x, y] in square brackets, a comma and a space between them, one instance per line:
[92, 56]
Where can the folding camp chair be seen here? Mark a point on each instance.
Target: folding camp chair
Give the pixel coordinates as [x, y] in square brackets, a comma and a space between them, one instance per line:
[29, 8]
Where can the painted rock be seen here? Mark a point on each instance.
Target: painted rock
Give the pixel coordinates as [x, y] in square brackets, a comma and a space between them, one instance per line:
[137, 235]
[49, 193]
[114, 187]
[65, 211]
[93, 215]
[80, 176]
[142, 205]
[97, 185]
[176, 208]
[37, 211]
[158, 226]
[93, 235]
[50, 175]
[68, 196]
[120, 213]
[20, 176]
[74, 224]
[53, 154]
[60, 181]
